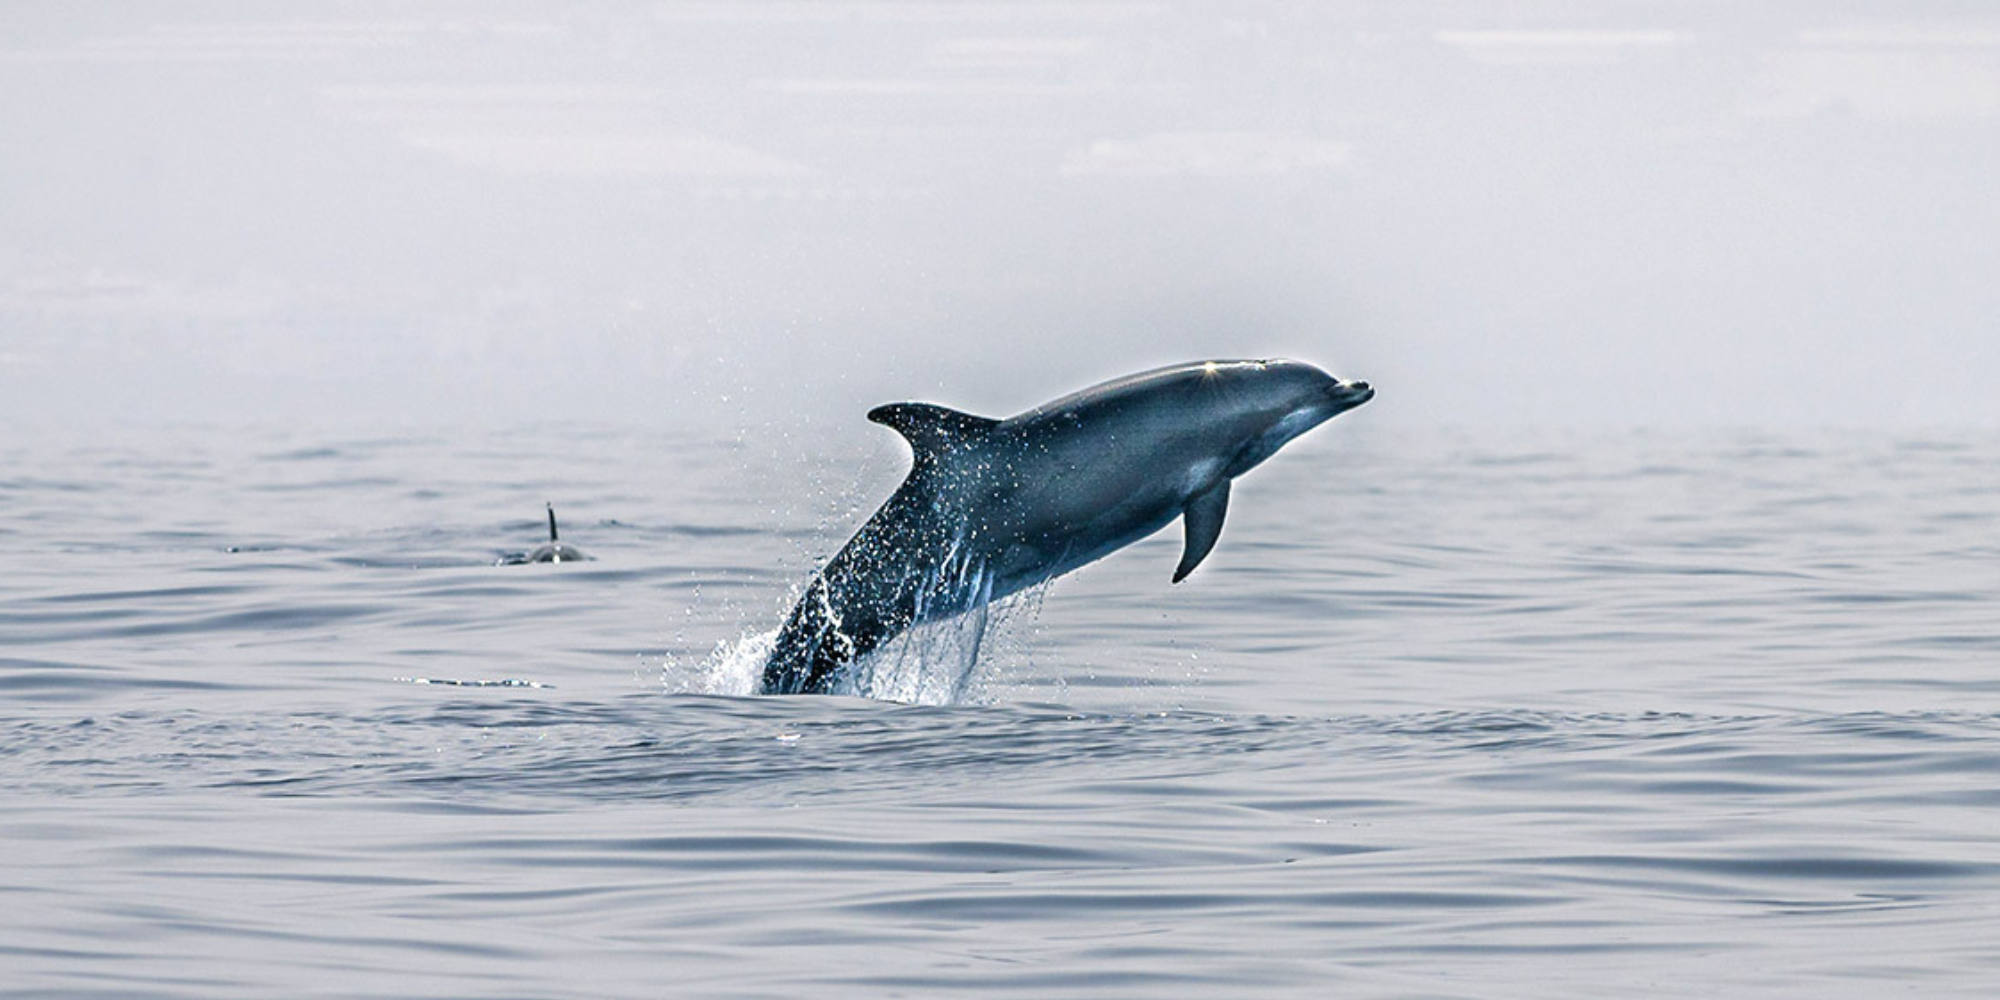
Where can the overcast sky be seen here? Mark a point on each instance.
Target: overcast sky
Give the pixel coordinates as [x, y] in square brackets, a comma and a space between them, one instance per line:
[1501, 212]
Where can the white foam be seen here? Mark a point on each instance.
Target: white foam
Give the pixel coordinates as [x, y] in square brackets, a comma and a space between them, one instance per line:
[735, 667]
[938, 663]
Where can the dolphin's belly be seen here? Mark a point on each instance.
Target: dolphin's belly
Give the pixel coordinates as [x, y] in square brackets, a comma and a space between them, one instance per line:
[1083, 505]
[998, 526]
[1034, 559]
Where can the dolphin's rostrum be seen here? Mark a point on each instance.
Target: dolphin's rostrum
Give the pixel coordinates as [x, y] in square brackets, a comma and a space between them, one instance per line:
[992, 507]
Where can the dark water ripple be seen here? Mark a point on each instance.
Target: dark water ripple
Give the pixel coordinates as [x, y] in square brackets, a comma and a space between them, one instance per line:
[835, 824]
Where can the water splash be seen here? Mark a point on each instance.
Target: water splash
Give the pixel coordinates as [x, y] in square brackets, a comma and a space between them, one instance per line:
[734, 667]
[941, 662]
[932, 664]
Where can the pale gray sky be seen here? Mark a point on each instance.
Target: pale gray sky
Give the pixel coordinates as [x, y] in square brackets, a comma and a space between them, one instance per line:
[707, 213]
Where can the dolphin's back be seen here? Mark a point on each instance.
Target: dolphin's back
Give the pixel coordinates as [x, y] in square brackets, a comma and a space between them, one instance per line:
[1200, 383]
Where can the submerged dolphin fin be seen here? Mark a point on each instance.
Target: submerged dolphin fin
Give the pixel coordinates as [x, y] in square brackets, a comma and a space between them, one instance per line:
[930, 428]
[1203, 520]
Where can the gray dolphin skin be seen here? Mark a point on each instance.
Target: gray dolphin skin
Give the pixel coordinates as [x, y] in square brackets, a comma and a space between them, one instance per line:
[992, 507]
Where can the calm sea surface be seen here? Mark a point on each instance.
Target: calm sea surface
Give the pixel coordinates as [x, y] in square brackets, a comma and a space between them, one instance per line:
[1445, 715]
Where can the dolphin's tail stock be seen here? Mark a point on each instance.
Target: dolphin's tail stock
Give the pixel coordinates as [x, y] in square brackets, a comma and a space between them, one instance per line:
[825, 635]
[812, 647]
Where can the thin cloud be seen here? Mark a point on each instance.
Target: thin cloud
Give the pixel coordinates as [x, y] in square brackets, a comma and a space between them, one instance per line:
[898, 12]
[232, 41]
[1207, 154]
[607, 155]
[1882, 72]
[1558, 47]
[567, 130]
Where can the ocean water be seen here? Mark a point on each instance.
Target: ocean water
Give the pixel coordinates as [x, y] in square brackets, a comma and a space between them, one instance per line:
[1446, 714]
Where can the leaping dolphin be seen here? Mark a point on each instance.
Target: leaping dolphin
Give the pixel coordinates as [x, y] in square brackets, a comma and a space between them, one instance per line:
[992, 507]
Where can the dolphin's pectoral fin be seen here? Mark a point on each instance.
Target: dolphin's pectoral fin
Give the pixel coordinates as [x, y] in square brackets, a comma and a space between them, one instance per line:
[1203, 519]
[930, 428]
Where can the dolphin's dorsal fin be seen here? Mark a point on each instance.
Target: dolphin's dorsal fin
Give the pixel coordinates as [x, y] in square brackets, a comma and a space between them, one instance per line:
[931, 428]
[1203, 519]
[552, 522]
